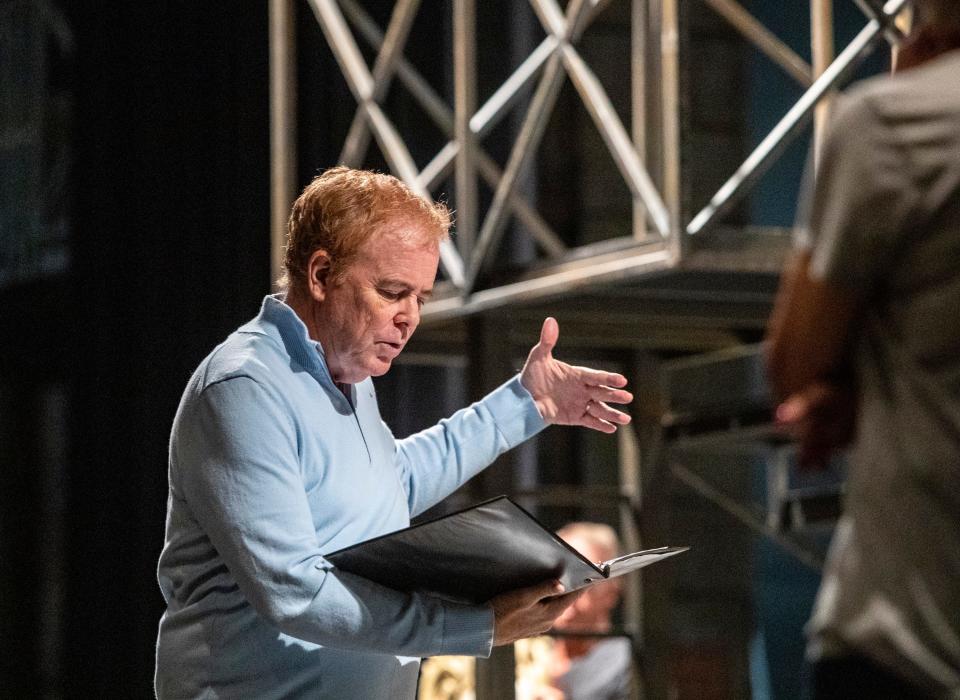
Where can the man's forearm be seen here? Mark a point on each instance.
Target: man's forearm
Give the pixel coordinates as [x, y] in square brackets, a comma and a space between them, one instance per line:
[808, 331]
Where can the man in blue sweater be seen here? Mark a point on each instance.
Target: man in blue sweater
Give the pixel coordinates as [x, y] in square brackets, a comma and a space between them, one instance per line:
[278, 455]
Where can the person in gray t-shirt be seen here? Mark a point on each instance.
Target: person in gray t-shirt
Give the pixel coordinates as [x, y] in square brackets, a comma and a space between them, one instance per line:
[864, 346]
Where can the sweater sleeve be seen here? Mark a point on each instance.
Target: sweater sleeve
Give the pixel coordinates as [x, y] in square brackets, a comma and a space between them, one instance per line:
[434, 462]
[235, 452]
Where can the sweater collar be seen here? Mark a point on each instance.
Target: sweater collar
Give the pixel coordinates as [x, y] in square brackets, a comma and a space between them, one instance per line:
[281, 322]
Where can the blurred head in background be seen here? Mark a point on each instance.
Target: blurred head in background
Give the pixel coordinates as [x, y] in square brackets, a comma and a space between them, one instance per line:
[592, 610]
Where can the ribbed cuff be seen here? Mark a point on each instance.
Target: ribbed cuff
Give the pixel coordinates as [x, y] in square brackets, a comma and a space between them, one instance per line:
[514, 412]
[467, 629]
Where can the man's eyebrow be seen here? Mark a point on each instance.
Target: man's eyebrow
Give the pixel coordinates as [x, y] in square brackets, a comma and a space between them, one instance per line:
[393, 282]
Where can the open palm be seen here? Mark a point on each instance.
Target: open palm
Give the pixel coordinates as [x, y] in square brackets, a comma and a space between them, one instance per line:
[568, 395]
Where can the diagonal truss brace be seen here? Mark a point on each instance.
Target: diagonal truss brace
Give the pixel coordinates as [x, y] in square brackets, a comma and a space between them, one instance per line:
[484, 120]
[766, 41]
[362, 85]
[565, 29]
[552, 60]
[384, 69]
[794, 120]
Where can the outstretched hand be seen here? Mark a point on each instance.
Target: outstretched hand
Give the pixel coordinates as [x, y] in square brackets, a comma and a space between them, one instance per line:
[567, 395]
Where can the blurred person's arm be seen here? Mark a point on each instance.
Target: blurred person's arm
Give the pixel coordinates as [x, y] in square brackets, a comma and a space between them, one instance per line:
[808, 362]
[808, 333]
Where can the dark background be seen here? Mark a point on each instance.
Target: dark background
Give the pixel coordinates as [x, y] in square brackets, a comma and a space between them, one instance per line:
[168, 252]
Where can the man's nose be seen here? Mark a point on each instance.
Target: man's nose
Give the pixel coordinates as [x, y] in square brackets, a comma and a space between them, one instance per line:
[409, 315]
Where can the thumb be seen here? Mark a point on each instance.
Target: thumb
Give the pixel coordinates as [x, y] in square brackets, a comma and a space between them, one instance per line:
[549, 334]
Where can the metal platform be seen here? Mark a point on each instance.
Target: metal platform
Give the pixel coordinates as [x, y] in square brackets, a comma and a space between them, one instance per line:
[664, 244]
[719, 295]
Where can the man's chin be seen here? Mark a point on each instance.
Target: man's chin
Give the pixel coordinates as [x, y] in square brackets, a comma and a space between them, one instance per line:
[381, 367]
[374, 368]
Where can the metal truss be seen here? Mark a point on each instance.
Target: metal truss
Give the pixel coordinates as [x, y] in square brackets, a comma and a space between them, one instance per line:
[657, 241]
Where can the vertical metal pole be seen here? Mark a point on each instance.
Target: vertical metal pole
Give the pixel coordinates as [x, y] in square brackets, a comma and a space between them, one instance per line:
[490, 355]
[283, 126]
[628, 451]
[822, 54]
[904, 25]
[650, 499]
[638, 87]
[670, 104]
[465, 97]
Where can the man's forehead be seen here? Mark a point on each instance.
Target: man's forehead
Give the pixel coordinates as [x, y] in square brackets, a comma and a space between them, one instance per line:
[407, 238]
[398, 258]
[403, 230]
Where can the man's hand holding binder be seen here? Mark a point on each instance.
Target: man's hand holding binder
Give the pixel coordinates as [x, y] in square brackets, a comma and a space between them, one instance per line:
[528, 612]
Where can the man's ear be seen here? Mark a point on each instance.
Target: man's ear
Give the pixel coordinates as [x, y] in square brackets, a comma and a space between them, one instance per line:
[318, 274]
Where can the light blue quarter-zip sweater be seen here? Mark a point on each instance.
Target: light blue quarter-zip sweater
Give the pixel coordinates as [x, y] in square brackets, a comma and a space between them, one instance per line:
[271, 467]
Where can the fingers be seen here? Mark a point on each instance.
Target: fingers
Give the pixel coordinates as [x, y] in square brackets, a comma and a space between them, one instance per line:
[794, 410]
[821, 418]
[595, 423]
[559, 603]
[806, 403]
[604, 388]
[606, 394]
[552, 608]
[598, 377]
[527, 611]
[606, 414]
[538, 592]
[529, 596]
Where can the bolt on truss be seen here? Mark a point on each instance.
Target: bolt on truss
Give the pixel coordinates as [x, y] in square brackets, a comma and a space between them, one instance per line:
[543, 73]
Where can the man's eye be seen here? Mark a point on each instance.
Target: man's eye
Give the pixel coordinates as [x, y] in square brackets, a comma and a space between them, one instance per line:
[387, 294]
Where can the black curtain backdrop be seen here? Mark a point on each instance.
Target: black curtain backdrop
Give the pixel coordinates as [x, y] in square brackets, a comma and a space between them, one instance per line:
[170, 252]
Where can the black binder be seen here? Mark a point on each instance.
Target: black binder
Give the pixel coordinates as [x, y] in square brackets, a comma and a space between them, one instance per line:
[482, 551]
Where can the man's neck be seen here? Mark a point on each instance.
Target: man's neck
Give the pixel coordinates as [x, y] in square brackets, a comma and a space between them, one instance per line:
[305, 310]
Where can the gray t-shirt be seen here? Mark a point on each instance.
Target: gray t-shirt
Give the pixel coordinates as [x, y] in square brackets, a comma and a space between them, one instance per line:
[885, 225]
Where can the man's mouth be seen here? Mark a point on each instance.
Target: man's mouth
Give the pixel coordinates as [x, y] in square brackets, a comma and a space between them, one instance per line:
[390, 348]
